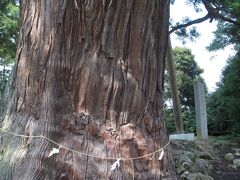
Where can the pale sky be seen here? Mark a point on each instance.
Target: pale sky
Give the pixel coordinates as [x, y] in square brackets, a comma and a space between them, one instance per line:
[211, 62]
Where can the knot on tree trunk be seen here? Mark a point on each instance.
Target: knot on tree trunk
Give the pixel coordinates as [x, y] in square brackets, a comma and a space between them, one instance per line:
[81, 124]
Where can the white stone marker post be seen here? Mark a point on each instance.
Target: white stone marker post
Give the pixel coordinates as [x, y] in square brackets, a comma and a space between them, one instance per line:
[200, 107]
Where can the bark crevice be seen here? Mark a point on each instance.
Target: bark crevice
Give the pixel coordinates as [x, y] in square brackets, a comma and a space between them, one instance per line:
[89, 78]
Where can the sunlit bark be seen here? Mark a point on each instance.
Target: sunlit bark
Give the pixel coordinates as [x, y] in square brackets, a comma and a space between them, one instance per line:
[89, 75]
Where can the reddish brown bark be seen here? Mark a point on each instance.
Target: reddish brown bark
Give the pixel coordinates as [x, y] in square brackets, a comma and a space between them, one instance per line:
[89, 75]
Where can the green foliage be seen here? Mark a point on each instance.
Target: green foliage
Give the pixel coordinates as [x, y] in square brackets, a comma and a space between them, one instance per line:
[169, 118]
[226, 12]
[227, 33]
[184, 34]
[4, 77]
[187, 71]
[9, 16]
[188, 116]
[189, 120]
[223, 105]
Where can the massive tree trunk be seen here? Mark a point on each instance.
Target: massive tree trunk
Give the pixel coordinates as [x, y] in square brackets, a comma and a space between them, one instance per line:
[89, 76]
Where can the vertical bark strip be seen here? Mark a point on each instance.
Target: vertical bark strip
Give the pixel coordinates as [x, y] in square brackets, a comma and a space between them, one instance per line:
[89, 75]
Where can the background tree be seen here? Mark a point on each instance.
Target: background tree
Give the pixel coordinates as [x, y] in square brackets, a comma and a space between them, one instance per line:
[227, 33]
[187, 71]
[9, 16]
[172, 81]
[89, 75]
[224, 104]
[219, 10]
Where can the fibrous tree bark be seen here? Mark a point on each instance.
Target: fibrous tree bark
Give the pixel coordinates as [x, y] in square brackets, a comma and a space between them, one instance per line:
[174, 89]
[89, 76]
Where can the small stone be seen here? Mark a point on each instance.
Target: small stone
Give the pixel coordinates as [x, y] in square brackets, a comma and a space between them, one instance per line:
[190, 154]
[185, 158]
[184, 175]
[199, 176]
[236, 151]
[205, 155]
[186, 166]
[232, 166]
[236, 162]
[200, 165]
[210, 167]
[237, 154]
[229, 157]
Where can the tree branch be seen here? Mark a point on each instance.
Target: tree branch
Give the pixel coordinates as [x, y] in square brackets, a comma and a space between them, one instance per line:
[228, 20]
[214, 13]
[196, 21]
